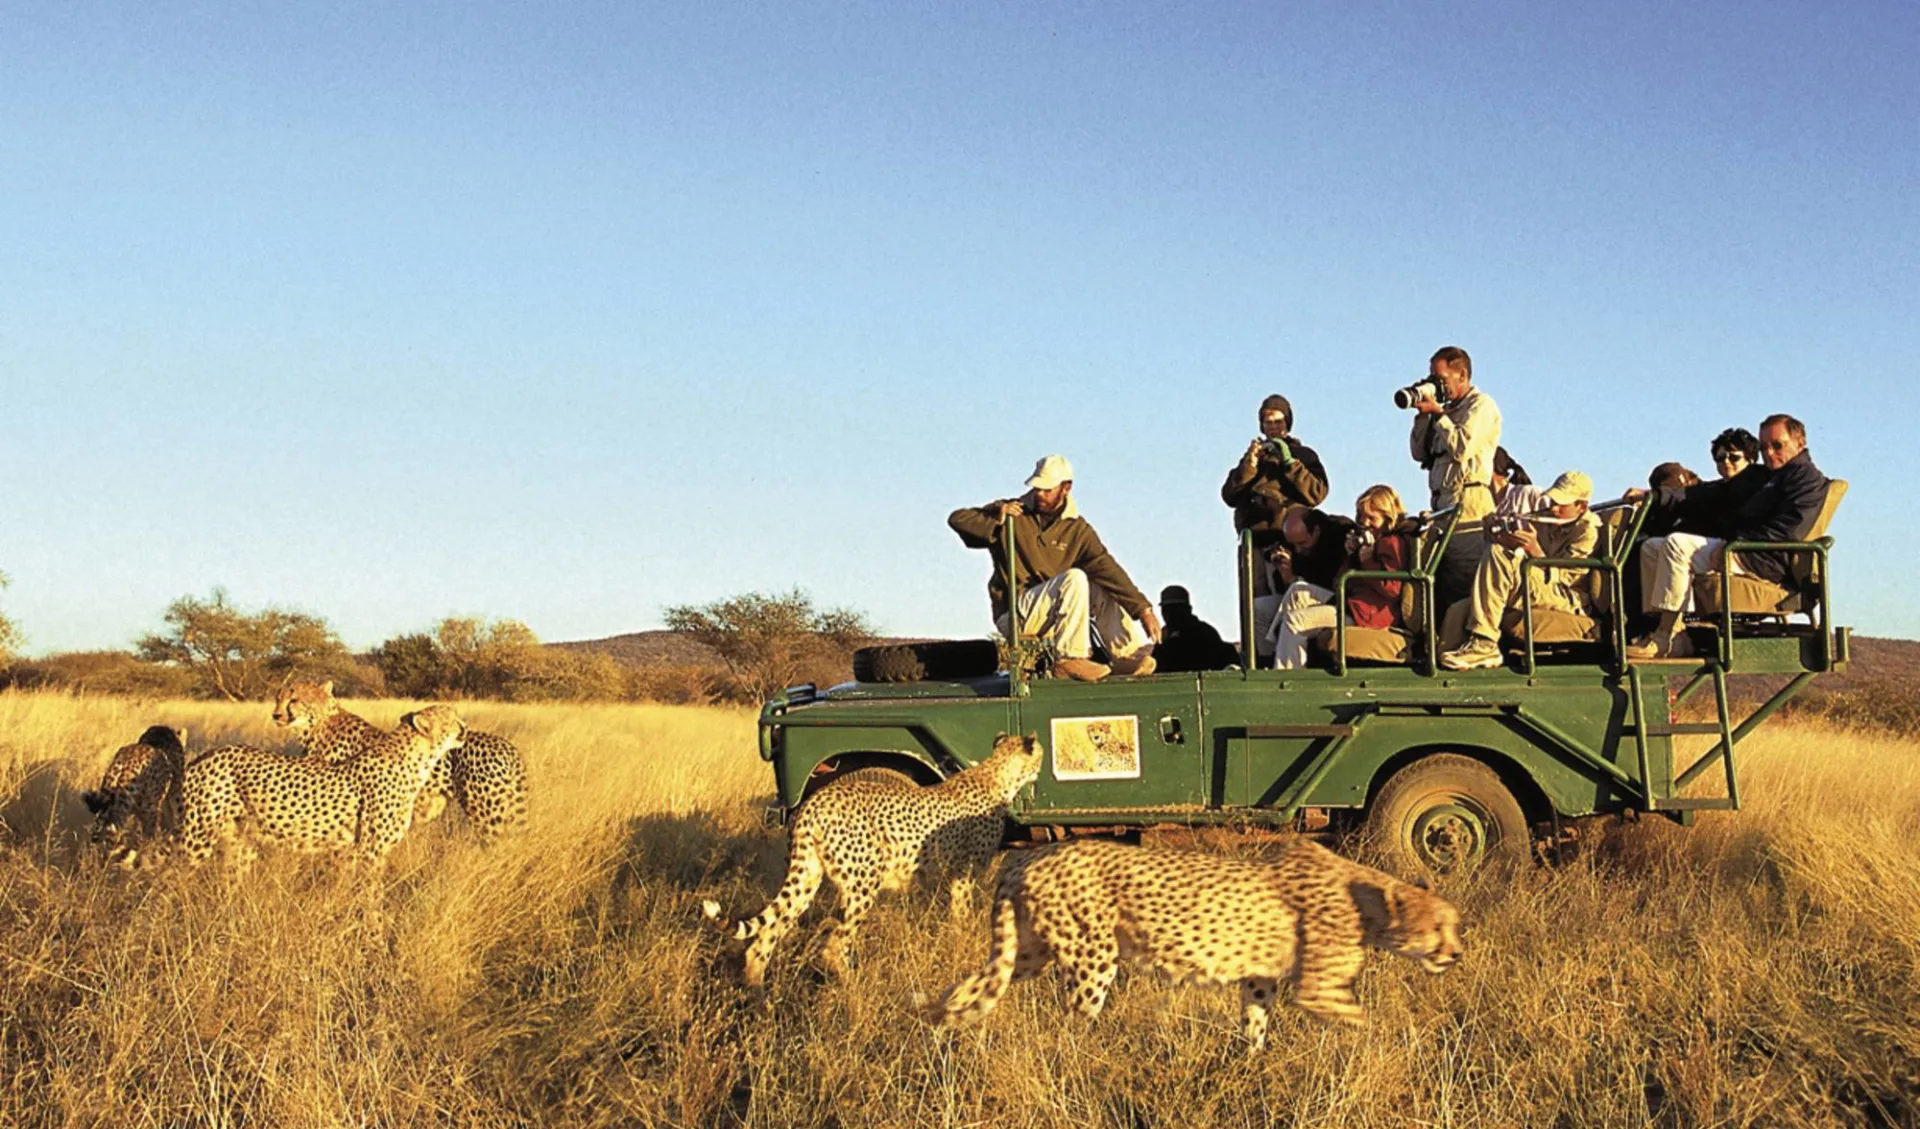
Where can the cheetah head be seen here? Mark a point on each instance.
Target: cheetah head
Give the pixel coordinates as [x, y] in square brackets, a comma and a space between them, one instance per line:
[165, 739]
[1015, 762]
[301, 705]
[440, 725]
[1410, 922]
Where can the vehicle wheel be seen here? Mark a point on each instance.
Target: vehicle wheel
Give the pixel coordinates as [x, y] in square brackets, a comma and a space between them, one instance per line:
[922, 662]
[1445, 814]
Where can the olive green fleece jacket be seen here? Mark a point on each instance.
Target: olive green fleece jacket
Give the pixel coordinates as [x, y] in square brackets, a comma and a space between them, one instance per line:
[1047, 547]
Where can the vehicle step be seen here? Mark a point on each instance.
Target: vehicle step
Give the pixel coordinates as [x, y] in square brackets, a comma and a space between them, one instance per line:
[1710, 803]
[1685, 729]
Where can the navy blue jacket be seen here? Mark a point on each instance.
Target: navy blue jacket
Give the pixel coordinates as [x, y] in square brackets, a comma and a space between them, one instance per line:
[1755, 505]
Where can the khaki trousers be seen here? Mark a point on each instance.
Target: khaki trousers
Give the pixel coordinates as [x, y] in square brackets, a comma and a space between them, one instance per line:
[1064, 609]
[1496, 587]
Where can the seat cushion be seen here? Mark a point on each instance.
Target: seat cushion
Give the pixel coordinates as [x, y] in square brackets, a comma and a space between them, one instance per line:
[1370, 644]
[1751, 595]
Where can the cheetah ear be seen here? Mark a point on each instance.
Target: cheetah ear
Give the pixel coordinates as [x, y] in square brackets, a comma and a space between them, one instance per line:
[181, 734]
[1420, 883]
[327, 687]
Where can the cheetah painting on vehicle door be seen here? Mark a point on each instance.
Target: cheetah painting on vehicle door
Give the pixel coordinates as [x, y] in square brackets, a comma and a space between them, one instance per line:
[1096, 748]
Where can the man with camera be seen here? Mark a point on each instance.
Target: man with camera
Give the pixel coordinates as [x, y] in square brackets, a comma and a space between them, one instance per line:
[1278, 476]
[1278, 473]
[1776, 499]
[1067, 580]
[1563, 529]
[1456, 430]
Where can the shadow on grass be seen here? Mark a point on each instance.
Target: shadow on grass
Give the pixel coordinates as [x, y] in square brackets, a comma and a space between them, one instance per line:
[45, 814]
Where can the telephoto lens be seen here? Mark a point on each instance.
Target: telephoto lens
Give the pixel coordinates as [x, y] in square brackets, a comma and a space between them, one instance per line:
[1414, 393]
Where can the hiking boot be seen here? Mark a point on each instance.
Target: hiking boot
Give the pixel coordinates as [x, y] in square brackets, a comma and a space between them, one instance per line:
[1476, 654]
[1080, 670]
[1134, 667]
[1645, 647]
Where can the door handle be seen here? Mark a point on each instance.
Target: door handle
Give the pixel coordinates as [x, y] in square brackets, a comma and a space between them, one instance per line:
[1170, 730]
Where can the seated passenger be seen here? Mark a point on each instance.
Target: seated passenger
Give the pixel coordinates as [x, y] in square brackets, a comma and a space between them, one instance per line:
[1067, 579]
[1670, 474]
[1313, 550]
[1733, 451]
[1188, 642]
[1777, 499]
[1307, 609]
[1565, 529]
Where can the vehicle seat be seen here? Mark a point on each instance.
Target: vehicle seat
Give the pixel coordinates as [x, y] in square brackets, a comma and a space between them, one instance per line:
[1753, 595]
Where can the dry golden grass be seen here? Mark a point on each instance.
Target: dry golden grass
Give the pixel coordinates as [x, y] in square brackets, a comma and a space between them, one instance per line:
[1759, 969]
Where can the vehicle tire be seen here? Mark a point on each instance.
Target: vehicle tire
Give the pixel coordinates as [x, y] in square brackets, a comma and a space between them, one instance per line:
[923, 662]
[1446, 814]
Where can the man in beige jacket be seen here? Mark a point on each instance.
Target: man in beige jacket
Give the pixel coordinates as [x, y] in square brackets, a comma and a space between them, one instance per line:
[1564, 530]
[1455, 435]
[1067, 580]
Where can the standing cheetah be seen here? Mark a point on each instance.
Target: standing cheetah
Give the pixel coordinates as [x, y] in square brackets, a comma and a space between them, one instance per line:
[140, 787]
[1305, 918]
[873, 830]
[483, 774]
[235, 795]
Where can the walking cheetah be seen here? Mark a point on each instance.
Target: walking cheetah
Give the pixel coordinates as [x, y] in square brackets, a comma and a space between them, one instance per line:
[1305, 918]
[235, 794]
[874, 830]
[141, 788]
[484, 774]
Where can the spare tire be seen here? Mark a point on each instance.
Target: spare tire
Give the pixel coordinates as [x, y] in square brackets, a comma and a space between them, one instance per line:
[924, 662]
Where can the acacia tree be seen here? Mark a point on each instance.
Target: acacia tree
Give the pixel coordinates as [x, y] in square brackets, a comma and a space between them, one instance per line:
[241, 655]
[9, 633]
[766, 639]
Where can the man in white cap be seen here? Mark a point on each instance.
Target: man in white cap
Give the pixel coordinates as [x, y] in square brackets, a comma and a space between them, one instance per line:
[1068, 582]
[1563, 529]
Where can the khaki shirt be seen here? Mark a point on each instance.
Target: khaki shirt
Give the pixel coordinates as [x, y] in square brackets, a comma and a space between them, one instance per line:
[1575, 539]
[1457, 446]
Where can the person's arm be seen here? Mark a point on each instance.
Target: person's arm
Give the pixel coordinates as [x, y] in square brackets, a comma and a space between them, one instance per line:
[979, 526]
[1100, 567]
[1475, 437]
[1304, 476]
[1238, 487]
[1420, 440]
[1586, 538]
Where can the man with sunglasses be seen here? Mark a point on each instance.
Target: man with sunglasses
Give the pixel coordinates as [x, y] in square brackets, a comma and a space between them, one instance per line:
[1777, 499]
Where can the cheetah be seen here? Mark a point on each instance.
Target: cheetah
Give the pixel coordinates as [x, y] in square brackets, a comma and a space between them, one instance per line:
[484, 774]
[140, 789]
[1305, 918]
[234, 795]
[874, 830]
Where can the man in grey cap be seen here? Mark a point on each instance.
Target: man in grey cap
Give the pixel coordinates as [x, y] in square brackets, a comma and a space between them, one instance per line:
[1068, 582]
[1563, 528]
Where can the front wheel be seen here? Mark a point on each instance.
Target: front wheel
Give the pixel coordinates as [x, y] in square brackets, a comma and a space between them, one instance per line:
[1446, 814]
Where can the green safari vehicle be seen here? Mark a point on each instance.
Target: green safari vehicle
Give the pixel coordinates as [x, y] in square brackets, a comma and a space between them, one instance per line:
[1443, 769]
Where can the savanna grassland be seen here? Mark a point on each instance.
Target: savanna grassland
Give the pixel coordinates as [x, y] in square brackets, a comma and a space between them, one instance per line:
[1761, 968]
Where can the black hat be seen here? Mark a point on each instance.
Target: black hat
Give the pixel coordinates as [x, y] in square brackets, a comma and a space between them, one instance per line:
[1175, 594]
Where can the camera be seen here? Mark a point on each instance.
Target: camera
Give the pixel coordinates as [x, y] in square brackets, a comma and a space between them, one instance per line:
[1414, 393]
[1362, 538]
[1271, 445]
[1499, 525]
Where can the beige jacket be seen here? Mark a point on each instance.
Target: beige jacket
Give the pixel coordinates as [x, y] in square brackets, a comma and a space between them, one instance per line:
[1457, 446]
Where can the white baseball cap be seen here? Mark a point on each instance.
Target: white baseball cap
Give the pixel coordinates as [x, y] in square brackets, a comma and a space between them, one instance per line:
[1050, 472]
[1570, 487]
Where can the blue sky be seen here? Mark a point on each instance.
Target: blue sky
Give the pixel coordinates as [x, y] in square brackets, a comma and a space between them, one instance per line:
[566, 313]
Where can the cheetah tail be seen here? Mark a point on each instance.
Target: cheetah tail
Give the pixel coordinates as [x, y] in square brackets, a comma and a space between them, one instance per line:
[972, 999]
[804, 871]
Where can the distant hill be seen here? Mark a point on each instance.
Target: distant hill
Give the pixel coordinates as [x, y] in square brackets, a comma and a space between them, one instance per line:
[647, 648]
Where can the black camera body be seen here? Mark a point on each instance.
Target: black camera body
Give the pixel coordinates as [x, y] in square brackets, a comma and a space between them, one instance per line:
[1412, 394]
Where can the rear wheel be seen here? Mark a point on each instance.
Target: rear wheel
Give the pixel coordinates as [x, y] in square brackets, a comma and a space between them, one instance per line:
[923, 662]
[1446, 814]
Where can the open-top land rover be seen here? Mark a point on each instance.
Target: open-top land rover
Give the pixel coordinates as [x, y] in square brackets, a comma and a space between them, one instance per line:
[1443, 768]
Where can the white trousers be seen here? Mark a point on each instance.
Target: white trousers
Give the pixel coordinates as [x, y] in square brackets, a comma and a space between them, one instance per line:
[1668, 565]
[1304, 611]
[1062, 611]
